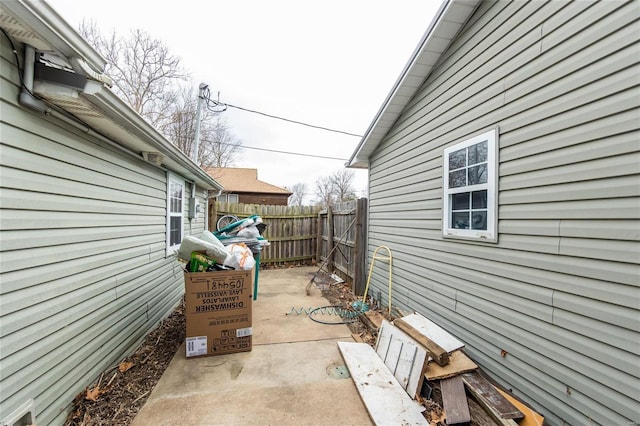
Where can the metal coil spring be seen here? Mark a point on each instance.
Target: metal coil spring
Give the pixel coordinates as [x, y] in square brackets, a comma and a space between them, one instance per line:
[325, 310]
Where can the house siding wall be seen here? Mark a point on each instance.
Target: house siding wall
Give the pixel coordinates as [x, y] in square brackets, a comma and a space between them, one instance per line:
[263, 199]
[560, 291]
[83, 264]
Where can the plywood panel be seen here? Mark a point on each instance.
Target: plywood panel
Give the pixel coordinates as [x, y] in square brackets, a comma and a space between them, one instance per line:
[385, 399]
[404, 357]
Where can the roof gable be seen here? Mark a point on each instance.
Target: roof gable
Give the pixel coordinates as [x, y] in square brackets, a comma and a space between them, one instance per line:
[446, 24]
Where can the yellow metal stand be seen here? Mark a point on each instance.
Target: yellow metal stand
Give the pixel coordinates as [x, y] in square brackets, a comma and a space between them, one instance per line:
[375, 257]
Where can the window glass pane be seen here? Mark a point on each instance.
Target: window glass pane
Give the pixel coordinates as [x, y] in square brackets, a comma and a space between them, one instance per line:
[175, 230]
[479, 219]
[478, 153]
[233, 198]
[460, 201]
[460, 220]
[478, 174]
[175, 198]
[458, 159]
[458, 178]
[479, 199]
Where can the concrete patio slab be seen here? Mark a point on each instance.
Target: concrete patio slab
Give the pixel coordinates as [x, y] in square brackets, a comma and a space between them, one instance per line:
[284, 380]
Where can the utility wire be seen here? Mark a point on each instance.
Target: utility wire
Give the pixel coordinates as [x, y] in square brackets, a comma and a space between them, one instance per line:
[279, 152]
[294, 153]
[294, 121]
[212, 104]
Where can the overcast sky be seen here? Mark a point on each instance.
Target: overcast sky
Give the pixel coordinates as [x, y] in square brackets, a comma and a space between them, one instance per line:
[329, 63]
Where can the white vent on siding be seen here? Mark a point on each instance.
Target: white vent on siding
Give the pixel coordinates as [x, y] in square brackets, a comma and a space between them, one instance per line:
[22, 416]
[153, 157]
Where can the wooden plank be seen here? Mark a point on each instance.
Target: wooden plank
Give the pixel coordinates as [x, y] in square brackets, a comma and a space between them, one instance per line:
[531, 418]
[458, 363]
[493, 401]
[454, 400]
[385, 400]
[404, 357]
[375, 317]
[434, 332]
[435, 351]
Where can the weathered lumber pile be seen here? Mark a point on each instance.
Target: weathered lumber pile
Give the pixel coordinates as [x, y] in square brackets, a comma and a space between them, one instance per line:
[411, 357]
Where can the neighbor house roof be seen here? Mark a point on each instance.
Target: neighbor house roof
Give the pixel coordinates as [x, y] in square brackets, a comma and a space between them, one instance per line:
[36, 24]
[243, 180]
[446, 24]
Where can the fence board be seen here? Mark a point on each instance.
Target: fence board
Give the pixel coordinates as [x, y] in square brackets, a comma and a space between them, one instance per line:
[291, 230]
[306, 235]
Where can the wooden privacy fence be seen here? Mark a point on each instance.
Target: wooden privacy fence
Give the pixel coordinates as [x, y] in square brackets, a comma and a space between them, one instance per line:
[291, 230]
[342, 241]
[333, 238]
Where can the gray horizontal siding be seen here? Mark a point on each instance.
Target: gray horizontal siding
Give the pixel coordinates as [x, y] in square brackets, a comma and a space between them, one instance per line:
[83, 260]
[560, 291]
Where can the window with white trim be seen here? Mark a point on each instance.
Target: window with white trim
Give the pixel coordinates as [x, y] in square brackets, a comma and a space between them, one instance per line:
[470, 199]
[228, 198]
[175, 210]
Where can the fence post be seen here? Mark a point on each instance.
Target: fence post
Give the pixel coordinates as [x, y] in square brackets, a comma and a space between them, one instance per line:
[212, 212]
[319, 238]
[330, 240]
[359, 279]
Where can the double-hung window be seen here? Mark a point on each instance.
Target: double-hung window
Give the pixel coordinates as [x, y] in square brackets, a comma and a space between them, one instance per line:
[470, 188]
[228, 198]
[175, 210]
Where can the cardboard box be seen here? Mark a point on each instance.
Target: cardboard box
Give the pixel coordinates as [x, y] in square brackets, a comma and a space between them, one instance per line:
[218, 312]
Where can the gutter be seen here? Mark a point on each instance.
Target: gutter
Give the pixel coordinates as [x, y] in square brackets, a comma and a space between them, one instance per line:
[107, 100]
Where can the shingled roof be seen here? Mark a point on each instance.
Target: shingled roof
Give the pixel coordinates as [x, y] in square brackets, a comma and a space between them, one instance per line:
[243, 180]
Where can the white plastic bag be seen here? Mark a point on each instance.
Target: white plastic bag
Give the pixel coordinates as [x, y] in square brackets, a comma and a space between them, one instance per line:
[248, 232]
[214, 249]
[240, 257]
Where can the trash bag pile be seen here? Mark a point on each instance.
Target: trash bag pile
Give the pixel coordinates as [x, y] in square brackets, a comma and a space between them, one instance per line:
[233, 247]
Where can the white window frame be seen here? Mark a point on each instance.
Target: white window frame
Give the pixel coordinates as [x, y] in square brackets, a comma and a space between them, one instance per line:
[174, 179]
[226, 198]
[491, 186]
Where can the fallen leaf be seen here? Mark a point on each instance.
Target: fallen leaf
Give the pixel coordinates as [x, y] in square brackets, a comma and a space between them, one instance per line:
[124, 366]
[93, 394]
[437, 419]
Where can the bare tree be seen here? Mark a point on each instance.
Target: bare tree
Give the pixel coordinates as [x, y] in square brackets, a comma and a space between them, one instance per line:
[218, 146]
[152, 81]
[335, 188]
[343, 185]
[143, 70]
[298, 192]
[325, 191]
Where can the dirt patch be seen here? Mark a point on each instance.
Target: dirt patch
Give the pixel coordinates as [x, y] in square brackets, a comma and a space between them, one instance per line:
[120, 392]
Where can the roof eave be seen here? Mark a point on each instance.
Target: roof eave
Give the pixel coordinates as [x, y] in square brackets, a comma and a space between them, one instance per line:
[449, 19]
[50, 26]
[176, 160]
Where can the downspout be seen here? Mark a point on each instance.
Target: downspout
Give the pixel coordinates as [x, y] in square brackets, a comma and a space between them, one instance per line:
[26, 93]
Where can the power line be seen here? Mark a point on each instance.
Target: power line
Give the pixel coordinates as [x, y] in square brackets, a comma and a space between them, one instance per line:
[324, 157]
[294, 121]
[211, 105]
[294, 153]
